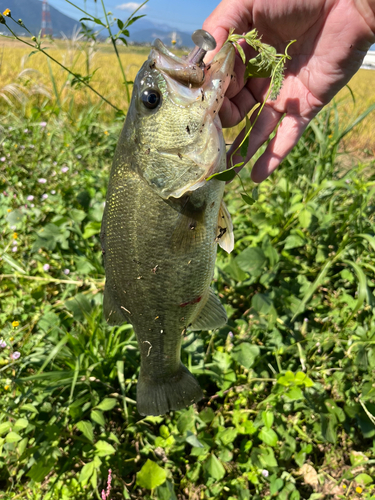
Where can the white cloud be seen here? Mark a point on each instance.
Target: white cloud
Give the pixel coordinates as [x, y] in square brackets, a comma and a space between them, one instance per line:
[130, 6]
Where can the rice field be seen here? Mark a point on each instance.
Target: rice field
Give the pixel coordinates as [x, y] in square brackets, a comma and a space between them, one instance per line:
[35, 78]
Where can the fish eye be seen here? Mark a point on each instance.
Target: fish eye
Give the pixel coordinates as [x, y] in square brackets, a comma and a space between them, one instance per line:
[151, 98]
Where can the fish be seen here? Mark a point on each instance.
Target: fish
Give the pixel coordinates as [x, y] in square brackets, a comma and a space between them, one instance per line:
[163, 220]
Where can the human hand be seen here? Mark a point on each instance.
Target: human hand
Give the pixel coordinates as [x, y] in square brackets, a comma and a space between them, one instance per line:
[332, 36]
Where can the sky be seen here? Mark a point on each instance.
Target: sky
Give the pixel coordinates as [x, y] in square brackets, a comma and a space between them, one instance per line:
[184, 15]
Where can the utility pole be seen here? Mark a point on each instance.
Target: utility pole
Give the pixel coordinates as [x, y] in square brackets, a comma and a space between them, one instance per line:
[46, 19]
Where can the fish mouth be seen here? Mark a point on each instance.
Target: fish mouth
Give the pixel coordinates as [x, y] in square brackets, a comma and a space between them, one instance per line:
[189, 72]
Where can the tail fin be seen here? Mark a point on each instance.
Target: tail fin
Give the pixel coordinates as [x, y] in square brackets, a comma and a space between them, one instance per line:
[157, 397]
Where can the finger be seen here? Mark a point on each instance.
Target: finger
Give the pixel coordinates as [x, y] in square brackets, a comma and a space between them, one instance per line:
[264, 126]
[227, 15]
[288, 133]
[234, 110]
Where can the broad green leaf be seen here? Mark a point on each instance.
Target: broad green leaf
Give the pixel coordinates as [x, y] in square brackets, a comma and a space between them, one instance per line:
[294, 394]
[186, 421]
[86, 428]
[4, 427]
[151, 475]
[287, 379]
[329, 427]
[335, 410]
[21, 423]
[214, 467]
[13, 437]
[107, 404]
[267, 417]
[166, 491]
[86, 472]
[252, 260]
[294, 241]
[207, 415]
[227, 436]
[268, 436]
[261, 303]
[29, 407]
[103, 449]
[245, 354]
[357, 458]
[91, 228]
[363, 479]
[276, 485]
[193, 440]
[304, 218]
[41, 469]
[302, 379]
[226, 175]
[97, 416]
[247, 199]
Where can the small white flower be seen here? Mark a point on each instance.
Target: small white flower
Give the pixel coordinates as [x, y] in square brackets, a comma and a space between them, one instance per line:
[265, 473]
[66, 271]
[2, 158]
[46, 267]
[53, 191]
[3, 344]
[14, 249]
[42, 181]
[32, 205]
[30, 197]
[43, 124]
[64, 169]
[44, 196]
[15, 355]
[13, 227]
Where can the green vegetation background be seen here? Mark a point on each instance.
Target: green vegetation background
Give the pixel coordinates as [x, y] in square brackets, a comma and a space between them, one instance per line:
[289, 407]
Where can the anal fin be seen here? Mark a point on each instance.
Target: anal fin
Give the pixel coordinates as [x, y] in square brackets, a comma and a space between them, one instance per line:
[112, 312]
[212, 315]
[225, 236]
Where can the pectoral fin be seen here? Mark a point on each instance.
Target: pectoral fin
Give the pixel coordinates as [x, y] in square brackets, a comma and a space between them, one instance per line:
[225, 236]
[212, 315]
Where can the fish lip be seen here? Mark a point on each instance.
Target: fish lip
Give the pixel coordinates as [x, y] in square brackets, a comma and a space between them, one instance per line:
[191, 74]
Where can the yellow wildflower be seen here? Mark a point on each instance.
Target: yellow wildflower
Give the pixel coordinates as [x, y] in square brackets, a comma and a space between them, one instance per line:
[106, 132]
[15, 236]
[15, 146]
[11, 339]
[6, 387]
[15, 323]
[9, 210]
[358, 489]
[6, 12]
[344, 486]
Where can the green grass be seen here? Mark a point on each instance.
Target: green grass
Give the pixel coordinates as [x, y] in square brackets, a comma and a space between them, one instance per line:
[289, 406]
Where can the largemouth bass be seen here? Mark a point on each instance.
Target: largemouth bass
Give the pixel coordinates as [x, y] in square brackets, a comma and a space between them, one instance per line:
[162, 220]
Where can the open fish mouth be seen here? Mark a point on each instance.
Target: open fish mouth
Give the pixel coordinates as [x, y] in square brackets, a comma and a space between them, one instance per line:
[192, 73]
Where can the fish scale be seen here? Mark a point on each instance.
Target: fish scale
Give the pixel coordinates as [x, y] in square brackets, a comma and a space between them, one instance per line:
[159, 250]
